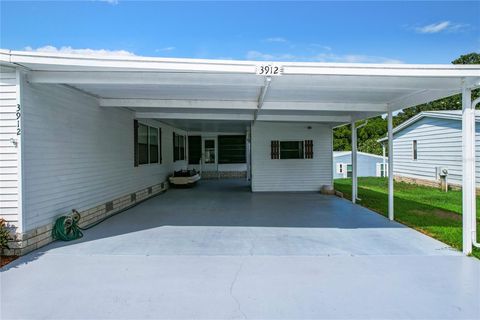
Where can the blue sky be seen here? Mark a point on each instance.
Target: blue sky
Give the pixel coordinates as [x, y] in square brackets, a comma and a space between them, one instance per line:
[409, 32]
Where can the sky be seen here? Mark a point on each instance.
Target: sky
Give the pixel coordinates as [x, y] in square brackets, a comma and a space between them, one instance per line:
[376, 32]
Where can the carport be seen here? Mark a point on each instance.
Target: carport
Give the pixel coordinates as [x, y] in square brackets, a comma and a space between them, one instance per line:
[212, 95]
[218, 250]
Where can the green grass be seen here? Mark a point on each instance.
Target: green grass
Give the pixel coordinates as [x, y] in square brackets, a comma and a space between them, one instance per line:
[429, 210]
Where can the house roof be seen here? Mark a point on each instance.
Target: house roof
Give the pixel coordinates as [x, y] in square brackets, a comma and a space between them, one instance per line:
[193, 91]
[442, 114]
[344, 153]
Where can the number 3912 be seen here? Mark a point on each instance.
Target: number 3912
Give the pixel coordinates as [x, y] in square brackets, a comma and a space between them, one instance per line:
[270, 70]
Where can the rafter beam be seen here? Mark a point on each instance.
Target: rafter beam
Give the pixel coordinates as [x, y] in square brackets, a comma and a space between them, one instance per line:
[241, 117]
[243, 105]
[144, 78]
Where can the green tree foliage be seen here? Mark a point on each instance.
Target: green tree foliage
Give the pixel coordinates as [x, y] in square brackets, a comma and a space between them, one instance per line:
[377, 127]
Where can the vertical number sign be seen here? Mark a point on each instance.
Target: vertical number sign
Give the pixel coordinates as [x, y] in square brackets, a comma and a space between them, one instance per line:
[19, 115]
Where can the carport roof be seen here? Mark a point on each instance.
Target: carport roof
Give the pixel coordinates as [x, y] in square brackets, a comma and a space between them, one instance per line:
[196, 90]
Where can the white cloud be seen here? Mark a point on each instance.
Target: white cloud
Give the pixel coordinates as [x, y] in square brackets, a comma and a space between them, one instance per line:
[443, 26]
[112, 2]
[165, 49]
[319, 57]
[256, 55]
[276, 39]
[83, 51]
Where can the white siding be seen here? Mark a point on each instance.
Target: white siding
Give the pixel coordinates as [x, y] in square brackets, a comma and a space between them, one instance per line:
[10, 202]
[439, 143]
[291, 174]
[78, 155]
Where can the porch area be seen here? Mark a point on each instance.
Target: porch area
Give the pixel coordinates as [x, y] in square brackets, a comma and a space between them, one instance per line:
[221, 251]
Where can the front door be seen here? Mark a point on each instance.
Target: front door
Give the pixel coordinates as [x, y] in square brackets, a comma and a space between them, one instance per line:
[209, 152]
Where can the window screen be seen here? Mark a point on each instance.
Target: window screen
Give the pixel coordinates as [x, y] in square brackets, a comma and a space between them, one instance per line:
[194, 149]
[232, 149]
[148, 148]
[291, 150]
[142, 144]
[153, 145]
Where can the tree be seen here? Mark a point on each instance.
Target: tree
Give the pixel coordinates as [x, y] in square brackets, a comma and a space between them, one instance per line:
[377, 127]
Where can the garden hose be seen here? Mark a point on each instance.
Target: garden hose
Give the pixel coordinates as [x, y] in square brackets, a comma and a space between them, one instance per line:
[66, 228]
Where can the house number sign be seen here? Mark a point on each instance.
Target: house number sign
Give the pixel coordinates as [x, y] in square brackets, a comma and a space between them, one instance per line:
[19, 115]
[269, 70]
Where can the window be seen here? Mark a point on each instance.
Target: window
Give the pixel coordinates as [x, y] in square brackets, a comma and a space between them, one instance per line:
[340, 167]
[381, 170]
[147, 144]
[231, 149]
[194, 149]
[153, 143]
[142, 144]
[349, 170]
[291, 150]
[414, 149]
[178, 147]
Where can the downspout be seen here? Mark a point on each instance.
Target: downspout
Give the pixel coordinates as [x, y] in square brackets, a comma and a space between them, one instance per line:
[474, 225]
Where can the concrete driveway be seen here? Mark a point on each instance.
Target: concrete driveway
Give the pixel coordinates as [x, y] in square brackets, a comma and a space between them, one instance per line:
[219, 251]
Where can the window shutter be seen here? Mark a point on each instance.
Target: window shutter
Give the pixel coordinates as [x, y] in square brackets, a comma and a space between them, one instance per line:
[174, 147]
[135, 142]
[275, 149]
[160, 145]
[308, 149]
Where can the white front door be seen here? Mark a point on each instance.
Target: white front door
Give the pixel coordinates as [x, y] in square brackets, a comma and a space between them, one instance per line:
[209, 154]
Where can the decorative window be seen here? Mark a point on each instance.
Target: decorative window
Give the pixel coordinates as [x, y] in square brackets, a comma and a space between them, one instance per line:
[414, 150]
[232, 149]
[147, 144]
[178, 147]
[292, 149]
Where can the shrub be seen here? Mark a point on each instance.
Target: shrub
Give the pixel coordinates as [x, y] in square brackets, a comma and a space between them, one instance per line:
[4, 235]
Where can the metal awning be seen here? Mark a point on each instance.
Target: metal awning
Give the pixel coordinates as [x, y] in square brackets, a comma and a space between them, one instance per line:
[192, 91]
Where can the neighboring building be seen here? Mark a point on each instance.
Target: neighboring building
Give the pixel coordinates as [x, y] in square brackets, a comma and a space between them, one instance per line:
[429, 142]
[369, 165]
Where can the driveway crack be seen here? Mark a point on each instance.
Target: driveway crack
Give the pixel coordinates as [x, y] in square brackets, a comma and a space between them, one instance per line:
[239, 307]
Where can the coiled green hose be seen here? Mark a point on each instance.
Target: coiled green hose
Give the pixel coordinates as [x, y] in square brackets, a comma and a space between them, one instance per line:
[66, 228]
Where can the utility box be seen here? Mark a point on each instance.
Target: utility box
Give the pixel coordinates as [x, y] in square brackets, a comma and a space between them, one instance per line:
[442, 173]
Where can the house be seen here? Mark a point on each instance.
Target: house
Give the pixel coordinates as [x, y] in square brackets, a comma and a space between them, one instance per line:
[369, 165]
[428, 144]
[99, 134]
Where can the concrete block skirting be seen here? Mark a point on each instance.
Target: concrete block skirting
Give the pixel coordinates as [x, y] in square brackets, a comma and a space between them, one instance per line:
[429, 183]
[223, 174]
[41, 236]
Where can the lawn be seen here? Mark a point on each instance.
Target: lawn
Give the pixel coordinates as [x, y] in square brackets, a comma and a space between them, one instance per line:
[429, 210]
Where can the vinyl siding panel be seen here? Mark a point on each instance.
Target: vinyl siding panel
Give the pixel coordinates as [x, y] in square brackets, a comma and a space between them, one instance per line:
[439, 143]
[78, 155]
[291, 174]
[10, 203]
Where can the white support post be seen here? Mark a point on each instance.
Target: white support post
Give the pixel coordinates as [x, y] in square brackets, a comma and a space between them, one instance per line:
[468, 174]
[384, 161]
[390, 165]
[354, 163]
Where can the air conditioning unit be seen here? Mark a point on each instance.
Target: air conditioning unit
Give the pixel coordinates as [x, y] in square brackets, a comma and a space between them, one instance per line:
[442, 171]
